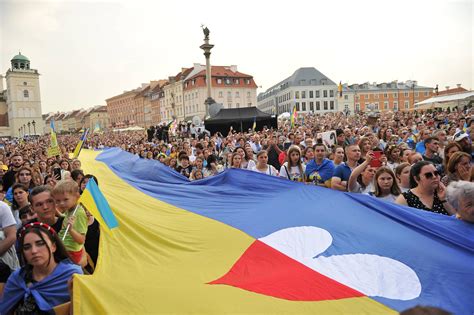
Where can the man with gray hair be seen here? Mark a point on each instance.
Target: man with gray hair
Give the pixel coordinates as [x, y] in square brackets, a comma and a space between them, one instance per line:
[460, 195]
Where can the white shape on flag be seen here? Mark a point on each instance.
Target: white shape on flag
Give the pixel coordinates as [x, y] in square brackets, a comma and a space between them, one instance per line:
[372, 275]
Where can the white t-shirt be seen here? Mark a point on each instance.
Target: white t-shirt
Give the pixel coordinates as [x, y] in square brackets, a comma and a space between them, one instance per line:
[358, 188]
[293, 173]
[6, 216]
[270, 170]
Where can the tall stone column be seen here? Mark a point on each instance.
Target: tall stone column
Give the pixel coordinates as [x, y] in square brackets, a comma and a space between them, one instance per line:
[207, 53]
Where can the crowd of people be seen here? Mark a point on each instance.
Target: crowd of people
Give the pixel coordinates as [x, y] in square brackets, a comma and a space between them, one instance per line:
[419, 159]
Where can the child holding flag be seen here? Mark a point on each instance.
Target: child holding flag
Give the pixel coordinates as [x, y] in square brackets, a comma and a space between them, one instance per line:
[74, 228]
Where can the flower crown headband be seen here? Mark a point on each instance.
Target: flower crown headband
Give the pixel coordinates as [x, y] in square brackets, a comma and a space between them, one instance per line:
[36, 224]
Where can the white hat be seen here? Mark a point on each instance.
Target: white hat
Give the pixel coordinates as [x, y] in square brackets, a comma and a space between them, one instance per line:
[458, 136]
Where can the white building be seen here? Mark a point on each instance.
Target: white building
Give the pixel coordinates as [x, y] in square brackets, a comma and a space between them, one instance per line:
[20, 103]
[307, 89]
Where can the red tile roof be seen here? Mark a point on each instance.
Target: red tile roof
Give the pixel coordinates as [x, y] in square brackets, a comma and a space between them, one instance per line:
[452, 91]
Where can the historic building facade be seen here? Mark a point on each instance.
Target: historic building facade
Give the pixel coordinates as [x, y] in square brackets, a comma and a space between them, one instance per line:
[20, 103]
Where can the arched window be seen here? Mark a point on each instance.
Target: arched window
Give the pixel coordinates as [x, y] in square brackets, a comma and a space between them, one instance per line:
[26, 93]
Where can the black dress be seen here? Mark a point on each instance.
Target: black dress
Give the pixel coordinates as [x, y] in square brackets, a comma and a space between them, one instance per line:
[415, 202]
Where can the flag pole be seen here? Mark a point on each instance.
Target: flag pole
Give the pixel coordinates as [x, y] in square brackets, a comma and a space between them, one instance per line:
[69, 225]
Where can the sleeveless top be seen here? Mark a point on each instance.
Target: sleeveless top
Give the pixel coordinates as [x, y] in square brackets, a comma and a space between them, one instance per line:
[415, 202]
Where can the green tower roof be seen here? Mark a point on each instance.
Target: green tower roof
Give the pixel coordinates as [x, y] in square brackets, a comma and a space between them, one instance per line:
[20, 57]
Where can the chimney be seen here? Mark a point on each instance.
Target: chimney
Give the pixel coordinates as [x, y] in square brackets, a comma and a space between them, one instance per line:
[233, 68]
[458, 85]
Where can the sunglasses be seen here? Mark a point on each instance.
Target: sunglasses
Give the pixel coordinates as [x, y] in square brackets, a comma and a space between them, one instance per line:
[430, 175]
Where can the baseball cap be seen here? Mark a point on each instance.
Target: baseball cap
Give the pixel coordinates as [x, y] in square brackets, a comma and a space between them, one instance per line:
[4, 167]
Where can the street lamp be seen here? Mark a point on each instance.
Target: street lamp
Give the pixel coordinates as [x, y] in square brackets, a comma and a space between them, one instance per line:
[34, 126]
[29, 130]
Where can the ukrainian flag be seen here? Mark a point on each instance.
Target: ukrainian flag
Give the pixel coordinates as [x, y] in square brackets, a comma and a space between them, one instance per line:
[78, 148]
[94, 201]
[228, 244]
[293, 117]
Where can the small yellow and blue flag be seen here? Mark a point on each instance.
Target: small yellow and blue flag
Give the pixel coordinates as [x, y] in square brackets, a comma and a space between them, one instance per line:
[293, 117]
[78, 148]
[254, 123]
[94, 201]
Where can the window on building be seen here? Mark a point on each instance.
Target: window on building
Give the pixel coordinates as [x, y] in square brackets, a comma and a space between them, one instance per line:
[416, 94]
[346, 97]
[376, 106]
[237, 94]
[229, 94]
[26, 93]
[310, 94]
[311, 106]
[395, 95]
[385, 95]
[325, 93]
[298, 107]
[227, 81]
[229, 105]
[318, 105]
[247, 81]
[303, 94]
[395, 105]
[426, 93]
[406, 94]
[357, 107]
[325, 105]
[237, 81]
[219, 81]
[24, 83]
[317, 94]
[385, 105]
[297, 94]
[221, 94]
[237, 105]
[331, 93]
[331, 105]
[376, 96]
[248, 94]
[303, 106]
[356, 98]
[407, 105]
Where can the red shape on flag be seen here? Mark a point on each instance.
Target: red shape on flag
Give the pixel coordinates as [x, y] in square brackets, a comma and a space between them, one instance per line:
[265, 270]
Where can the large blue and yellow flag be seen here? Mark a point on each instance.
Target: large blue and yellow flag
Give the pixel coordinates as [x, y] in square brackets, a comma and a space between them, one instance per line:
[243, 242]
[79, 145]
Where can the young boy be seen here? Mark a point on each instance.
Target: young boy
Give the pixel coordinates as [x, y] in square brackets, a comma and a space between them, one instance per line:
[66, 194]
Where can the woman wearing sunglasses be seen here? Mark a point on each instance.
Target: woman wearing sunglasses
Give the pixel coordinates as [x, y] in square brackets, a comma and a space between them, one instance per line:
[427, 192]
